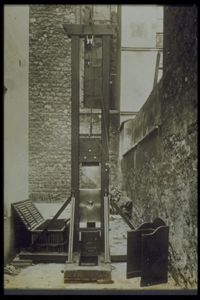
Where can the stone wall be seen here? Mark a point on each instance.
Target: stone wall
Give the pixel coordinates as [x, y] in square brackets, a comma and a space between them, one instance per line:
[160, 172]
[50, 98]
[179, 119]
[142, 163]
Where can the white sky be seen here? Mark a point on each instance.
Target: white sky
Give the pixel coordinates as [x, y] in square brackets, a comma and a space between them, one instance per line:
[139, 26]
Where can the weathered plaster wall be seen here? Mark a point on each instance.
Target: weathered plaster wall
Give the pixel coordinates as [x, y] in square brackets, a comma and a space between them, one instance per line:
[16, 26]
[160, 174]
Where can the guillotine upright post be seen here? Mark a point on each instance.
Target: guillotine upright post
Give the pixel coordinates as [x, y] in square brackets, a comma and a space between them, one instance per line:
[75, 65]
[103, 271]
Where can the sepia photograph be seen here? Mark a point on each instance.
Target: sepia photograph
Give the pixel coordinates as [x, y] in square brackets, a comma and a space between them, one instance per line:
[100, 149]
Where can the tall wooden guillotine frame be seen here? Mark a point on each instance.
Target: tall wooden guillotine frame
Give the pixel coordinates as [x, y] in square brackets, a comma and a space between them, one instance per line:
[91, 239]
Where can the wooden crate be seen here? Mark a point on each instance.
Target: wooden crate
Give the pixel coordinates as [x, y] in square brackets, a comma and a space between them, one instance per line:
[29, 223]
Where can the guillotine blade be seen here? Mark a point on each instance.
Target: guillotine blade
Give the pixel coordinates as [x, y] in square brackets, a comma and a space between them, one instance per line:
[90, 205]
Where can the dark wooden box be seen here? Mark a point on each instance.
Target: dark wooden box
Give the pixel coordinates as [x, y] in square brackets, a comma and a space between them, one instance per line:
[90, 243]
[147, 253]
[29, 223]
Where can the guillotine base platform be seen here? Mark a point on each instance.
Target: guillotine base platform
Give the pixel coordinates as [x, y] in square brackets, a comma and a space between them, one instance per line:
[74, 272]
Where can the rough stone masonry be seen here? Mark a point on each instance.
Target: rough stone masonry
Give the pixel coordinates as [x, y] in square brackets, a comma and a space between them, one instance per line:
[160, 172]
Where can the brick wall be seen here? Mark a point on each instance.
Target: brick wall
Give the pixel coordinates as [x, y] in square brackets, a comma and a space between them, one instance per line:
[160, 174]
[50, 99]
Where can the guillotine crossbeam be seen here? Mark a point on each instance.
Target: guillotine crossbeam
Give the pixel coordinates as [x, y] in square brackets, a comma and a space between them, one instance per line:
[84, 30]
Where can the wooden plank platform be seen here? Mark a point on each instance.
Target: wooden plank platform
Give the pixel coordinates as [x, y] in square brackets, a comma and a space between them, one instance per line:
[41, 257]
[55, 257]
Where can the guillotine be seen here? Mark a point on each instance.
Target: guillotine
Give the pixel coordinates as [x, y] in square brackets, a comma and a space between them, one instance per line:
[88, 252]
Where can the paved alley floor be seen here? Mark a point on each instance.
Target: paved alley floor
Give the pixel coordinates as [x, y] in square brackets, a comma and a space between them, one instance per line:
[50, 276]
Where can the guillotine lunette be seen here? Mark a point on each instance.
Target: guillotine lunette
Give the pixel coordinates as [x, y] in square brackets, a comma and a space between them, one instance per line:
[88, 253]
